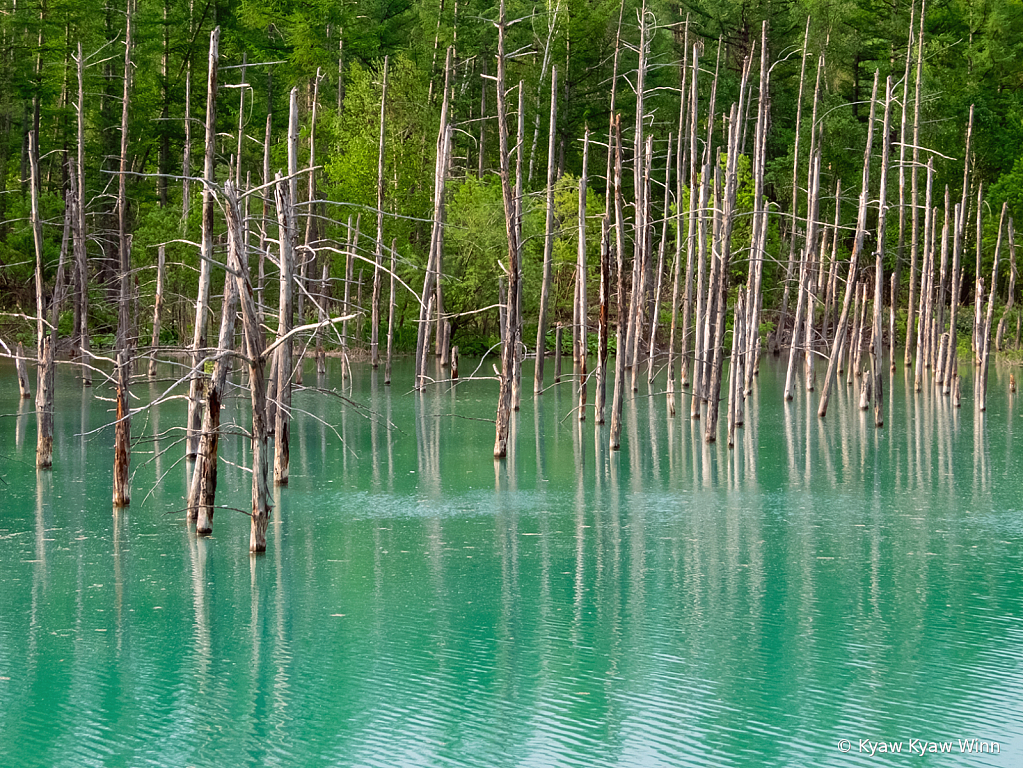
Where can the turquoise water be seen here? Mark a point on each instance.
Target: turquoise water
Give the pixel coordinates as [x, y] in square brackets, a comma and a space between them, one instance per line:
[673, 604]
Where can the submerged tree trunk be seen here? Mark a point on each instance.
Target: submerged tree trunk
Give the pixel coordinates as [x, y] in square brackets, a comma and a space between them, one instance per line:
[202, 303]
[260, 514]
[122, 435]
[508, 352]
[548, 247]
[282, 430]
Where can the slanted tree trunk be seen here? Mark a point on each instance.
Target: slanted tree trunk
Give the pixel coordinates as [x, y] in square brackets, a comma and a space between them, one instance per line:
[202, 304]
[203, 490]
[436, 235]
[850, 286]
[260, 514]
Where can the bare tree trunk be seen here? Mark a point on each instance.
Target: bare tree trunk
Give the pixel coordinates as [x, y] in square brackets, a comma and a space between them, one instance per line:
[660, 269]
[202, 303]
[914, 246]
[951, 364]
[735, 369]
[720, 288]
[122, 434]
[978, 293]
[282, 428]
[161, 273]
[78, 233]
[581, 271]
[548, 248]
[902, 182]
[436, 237]
[795, 184]
[876, 337]
[1000, 337]
[350, 251]
[508, 352]
[861, 226]
[687, 301]
[203, 490]
[519, 346]
[985, 341]
[19, 363]
[390, 312]
[374, 344]
[623, 317]
[237, 260]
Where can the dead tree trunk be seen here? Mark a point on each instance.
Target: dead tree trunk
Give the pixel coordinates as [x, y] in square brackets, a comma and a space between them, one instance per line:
[390, 312]
[203, 490]
[508, 352]
[985, 340]
[436, 236]
[619, 386]
[122, 434]
[582, 311]
[161, 271]
[861, 227]
[78, 233]
[19, 363]
[548, 247]
[202, 303]
[282, 428]
[914, 246]
[795, 185]
[260, 514]
[1000, 336]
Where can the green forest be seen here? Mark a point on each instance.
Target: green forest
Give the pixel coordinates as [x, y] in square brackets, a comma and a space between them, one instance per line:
[334, 54]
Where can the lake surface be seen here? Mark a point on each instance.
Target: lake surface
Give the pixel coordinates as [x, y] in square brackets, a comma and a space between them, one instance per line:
[672, 604]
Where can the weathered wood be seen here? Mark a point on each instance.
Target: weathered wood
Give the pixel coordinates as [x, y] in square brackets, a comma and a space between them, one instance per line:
[78, 232]
[19, 363]
[794, 214]
[321, 316]
[615, 437]
[432, 267]
[985, 340]
[44, 408]
[202, 303]
[548, 247]
[203, 489]
[391, 296]
[914, 195]
[282, 426]
[735, 374]
[260, 515]
[877, 334]
[454, 362]
[652, 345]
[903, 122]
[518, 347]
[687, 301]
[122, 434]
[508, 354]
[582, 312]
[267, 196]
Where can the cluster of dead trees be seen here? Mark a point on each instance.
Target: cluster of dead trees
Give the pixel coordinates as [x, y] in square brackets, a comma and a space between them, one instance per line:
[665, 250]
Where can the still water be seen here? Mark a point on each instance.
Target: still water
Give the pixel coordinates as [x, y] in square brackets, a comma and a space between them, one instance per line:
[673, 604]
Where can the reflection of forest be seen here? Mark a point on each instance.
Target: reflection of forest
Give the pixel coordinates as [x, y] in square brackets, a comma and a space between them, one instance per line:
[672, 603]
